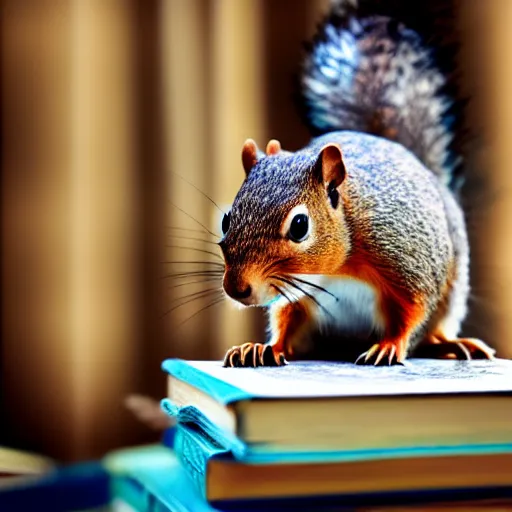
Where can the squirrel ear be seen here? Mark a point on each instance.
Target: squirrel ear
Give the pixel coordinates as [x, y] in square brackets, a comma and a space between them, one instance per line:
[330, 165]
[273, 147]
[249, 155]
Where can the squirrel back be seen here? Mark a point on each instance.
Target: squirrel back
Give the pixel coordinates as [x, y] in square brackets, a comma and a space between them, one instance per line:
[370, 68]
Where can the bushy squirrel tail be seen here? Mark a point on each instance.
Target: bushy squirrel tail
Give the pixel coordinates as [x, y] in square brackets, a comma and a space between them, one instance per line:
[387, 68]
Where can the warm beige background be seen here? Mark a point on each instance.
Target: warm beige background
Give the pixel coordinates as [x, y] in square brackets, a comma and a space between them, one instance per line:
[103, 104]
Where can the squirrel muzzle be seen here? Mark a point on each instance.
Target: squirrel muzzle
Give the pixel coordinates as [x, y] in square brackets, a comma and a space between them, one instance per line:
[247, 286]
[238, 288]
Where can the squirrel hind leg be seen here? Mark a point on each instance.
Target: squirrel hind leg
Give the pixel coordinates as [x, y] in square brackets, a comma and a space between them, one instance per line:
[438, 346]
[442, 340]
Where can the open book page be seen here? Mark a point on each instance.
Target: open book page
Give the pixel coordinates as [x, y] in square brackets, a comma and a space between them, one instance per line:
[327, 379]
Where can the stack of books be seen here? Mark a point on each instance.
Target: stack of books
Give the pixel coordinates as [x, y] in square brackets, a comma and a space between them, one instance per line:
[333, 434]
[315, 437]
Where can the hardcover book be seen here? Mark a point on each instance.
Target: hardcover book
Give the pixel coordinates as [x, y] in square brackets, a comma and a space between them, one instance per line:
[219, 477]
[309, 410]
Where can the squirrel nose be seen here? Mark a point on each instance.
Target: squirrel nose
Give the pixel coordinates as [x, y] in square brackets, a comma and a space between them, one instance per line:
[241, 294]
[238, 287]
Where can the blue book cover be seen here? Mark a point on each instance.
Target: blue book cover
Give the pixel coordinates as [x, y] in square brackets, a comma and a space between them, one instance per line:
[79, 487]
[448, 394]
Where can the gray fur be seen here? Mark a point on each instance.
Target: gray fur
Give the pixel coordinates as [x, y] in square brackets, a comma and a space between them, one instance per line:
[397, 205]
[374, 75]
[411, 219]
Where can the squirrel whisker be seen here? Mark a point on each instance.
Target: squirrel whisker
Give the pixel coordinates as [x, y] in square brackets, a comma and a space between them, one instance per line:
[194, 239]
[318, 287]
[211, 304]
[196, 221]
[194, 273]
[307, 294]
[194, 296]
[195, 249]
[189, 230]
[214, 263]
[189, 283]
[200, 191]
[282, 293]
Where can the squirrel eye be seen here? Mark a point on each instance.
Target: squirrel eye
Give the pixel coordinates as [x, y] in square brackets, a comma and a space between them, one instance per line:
[225, 222]
[299, 228]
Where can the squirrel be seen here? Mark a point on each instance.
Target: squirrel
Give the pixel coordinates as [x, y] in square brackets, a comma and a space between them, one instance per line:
[360, 233]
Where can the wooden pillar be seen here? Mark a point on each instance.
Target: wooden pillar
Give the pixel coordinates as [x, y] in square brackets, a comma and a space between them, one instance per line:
[104, 217]
[495, 20]
[36, 370]
[69, 223]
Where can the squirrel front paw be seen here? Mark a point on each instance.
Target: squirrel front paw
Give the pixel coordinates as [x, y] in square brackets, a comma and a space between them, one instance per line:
[381, 353]
[252, 355]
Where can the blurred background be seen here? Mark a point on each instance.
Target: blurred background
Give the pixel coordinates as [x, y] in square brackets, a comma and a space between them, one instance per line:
[113, 114]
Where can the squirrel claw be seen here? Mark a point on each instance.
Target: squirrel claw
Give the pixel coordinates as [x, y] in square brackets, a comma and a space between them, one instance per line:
[477, 348]
[439, 347]
[252, 355]
[377, 353]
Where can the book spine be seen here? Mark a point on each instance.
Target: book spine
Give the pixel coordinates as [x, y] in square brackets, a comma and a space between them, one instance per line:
[194, 450]
[194, 463]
